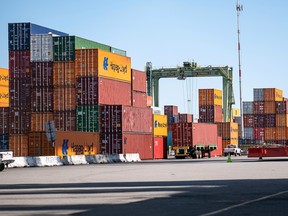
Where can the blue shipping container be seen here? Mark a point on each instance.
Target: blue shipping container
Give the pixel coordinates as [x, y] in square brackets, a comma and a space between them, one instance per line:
[169, 139]
[4, 142]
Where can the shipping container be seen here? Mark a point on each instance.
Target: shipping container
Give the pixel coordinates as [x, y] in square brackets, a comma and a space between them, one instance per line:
[138, 80]
[259, 134]
[273, 94]
[4, 77]
[87, 90]
[87, 118]
[4, 96]
[18, 143]
[177, 134]
[281, 120]
[64, 73]
[185, 118]
[269, 107]
[270, 120]
[159, 148]
[248, 120]
[41, 48]
[259, 107]
[218, 152]
[235, 113]
[259, 121]
[139, 99]
[210, 114]
[160, 125]
[281, 107]
[4, 141]
[64, 47]
[149, 101]
[38, 121]
[65, 120]
[76, 143]
[248, 107]
[118, 51]
[281, 133]
[86, 62]
[64, 98]
[111, 143]
[19, 34]
[19, 121]
[19, 64]
[20, 93]
[210, 97]
[170, 110]
[229, 130]
[270, 133]
[41, 74]
[169, 139]
[118, 118]
[42, 99]
[39, 145]
[258, 94]
[249, 133]
[113, 92]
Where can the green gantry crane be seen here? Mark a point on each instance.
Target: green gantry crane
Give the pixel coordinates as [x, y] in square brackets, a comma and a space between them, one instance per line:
[190, 69]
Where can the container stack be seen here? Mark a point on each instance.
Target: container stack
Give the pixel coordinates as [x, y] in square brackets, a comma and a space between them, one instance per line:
[229, 133]
[265, 118]
[30, 64]
[4, 109]
[139, 96]
[210, 106]
[171, 111]
[160, 132]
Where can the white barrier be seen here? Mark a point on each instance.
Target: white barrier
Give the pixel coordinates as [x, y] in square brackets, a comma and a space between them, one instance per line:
[73, 160]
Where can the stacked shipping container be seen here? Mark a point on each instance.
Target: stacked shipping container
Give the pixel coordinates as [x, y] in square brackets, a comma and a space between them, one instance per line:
[4, 108]
[160, 132]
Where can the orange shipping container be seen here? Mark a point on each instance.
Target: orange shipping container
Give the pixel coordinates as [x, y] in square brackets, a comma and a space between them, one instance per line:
[269, 107]
[210, 97]
[281, 120]
[86, 62]
[4, 77]
[19, 145]
[281, 133]
[64, 73]
[270, 133]
[273, 94]
[38, 121]
[64, 98]
[39, 145]
[77, 143]
[4, 96]
[229, 131]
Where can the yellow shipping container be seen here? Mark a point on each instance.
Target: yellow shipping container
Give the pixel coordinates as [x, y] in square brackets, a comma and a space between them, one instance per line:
[4, 77]
[235, 112]
[160, 125]
[210, 97]
[114, 66]
[273, 94]
[4, 96]
[76, 143]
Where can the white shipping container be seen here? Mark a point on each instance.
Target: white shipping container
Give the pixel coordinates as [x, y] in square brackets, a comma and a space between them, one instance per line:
[41, 48]
[249, 133]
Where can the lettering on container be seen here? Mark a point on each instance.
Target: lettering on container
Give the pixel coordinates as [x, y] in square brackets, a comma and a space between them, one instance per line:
[278, 95]
[4, 78]
[219, 97]
[158, 124]
[115, 67]
[77, 148]
[5, 96]
[65, 147]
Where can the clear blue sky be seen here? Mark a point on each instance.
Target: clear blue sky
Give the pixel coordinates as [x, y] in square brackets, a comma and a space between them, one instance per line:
[168, 32]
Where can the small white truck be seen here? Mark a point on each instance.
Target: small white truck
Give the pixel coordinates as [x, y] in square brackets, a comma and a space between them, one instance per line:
[6, 157]
[232, 150]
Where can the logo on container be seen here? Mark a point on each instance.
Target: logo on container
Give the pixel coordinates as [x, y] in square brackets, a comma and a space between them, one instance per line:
[219, 97]
[65, 147]
[105, 63]
[158, 124]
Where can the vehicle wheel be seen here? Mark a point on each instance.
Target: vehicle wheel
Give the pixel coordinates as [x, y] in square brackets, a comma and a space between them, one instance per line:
[2, 167]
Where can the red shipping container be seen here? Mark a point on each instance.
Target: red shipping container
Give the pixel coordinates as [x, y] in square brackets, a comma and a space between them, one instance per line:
[19, 64]
[281, 107]
[210, 114]
[269, 107]
[259, 133]
[219, 151]
[65, 120]
[259, 121]
[64, 98]
[42, 99]
[270, 120]
[117, 119]
[19, 145]
[19, 121]
[113, 92]
[177, 134]
[159, 148]
[170, 110]
[64, 73]
[138, 80]
[20, 93]
[86, 62]
[4, 120]
[258, 107]
[185, 118]
[139, 99]
[41, 74]
[87, 90]
[248, 120]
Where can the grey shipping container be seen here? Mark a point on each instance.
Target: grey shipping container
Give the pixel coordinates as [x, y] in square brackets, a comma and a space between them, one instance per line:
[248, 107]
[249, 133]
[41, 48]
[258, 94]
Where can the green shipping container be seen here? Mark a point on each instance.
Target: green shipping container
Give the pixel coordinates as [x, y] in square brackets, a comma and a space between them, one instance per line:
[87, 118]
[64, 47]
[118, 51]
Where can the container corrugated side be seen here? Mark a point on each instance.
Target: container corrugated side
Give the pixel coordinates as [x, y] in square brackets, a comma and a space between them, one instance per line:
[4, 120]
[281, 133]
[259, 134]
[160, 125]
[20, 93]
[4, 77]
[39, 145]
[138, 80]
[281, 120]
[159, 148]
[248, 107]
[248, 120]
[41, 48]
[259, 120]
[87, 90]
[64, 98]
[4, 96]
[87, 118]
[258, 94]
[273, 94]
[210, 114]
[170, 110]
[19, 36]
[269, 107]
[65, 120]
[41, 74]
[210, 97]
[18, 143]
[270, 120]
[19, 64]
[19, 121]
[281, 107]
[42, 99]
[270, 133]
[139, 99]
[118, 51]
[185, 118]
[259, 107]
[76, 143]
[86, 62]
[64, 73]
[38, 121]
[4, 141]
